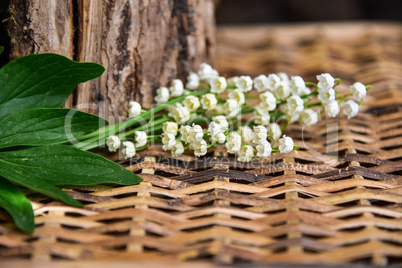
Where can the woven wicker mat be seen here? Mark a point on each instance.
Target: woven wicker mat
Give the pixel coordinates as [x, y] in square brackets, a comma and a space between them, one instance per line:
[337, 201]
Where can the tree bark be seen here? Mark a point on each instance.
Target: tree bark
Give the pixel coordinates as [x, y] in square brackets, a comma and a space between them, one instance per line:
[143, 44]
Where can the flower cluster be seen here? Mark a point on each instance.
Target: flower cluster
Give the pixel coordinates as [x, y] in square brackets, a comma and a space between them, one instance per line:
[197, 121]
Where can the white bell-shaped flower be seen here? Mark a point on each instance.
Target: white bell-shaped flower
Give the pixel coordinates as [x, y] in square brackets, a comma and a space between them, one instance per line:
[246, 153]
[128, 150]
[135, 109]
[140, 138]
[193, 81]
[264, 149]
[359, 91]
[350, 108]
[286, 144]
[162, 95]
[113, 143]
[209, 101]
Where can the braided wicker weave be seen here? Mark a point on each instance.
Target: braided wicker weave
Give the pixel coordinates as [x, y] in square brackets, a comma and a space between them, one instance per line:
[335, 201]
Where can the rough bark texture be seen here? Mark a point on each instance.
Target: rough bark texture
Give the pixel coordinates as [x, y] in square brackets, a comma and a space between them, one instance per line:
[143, 44]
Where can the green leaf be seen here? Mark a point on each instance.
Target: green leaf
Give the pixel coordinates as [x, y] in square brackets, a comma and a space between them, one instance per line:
[38, 168]
[19, 207]
[35, 127]
[34, 182]
[41, 81]
[1, 49]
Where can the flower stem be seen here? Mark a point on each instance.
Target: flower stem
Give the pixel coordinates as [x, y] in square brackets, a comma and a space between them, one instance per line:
[98, 138]
[338, 82]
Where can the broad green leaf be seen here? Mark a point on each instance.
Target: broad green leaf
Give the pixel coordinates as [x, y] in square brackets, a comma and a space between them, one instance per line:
[41, 81]
[1, 49]
[19, 207]
[35, 127]
[36, 167]
[35, 182]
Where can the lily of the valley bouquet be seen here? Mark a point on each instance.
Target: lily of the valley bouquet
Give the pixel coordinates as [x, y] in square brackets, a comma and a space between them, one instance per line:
[43, 146]
[247, 116]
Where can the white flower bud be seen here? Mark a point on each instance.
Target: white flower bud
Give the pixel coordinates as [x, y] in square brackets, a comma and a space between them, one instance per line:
[206, 72]
[231, 108]
[326, 96]
[170, 127]
[268, 101]
[261, 115]
[232, 81]
[244, 83]
[350, 108]
[162, 95]
[168, 140]
[308, 117]
[246, 153]
[264, 149]
[297, 85]
[185, 133]
[237, 95]
[200, 148]
[273, 82]
[221, 120]
[196, 133]
[129, 149]
[220, 138]
[292, 117]
[260, 134]
[178, 149]
[246, 134]
[295, 105]
[261, 83]
[180, 114]
[284, 78]
[233, 143]
[359, 91]
[192, 103]
[135, 109]
[325, 82]
[140, 138]
[176, 90]
[216, 132]
[209, 101]
[218, 84]
[275, 131]
[193, 81]
[286, 144]
[113, 143]
[332, 109]
[283, 90]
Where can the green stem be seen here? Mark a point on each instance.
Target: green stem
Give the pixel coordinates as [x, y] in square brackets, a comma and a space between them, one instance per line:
[100, 135]
[141, 148]
[342, 98]
[314, 104]
[252, 97]
[204, 85]
[338, 82]
[311, 84]
[148, 127]
[153, 136]
[285, 125]
[273, 140]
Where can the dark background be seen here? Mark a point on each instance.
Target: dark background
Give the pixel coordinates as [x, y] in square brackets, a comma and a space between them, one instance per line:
[275, 11]
[292, 11]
